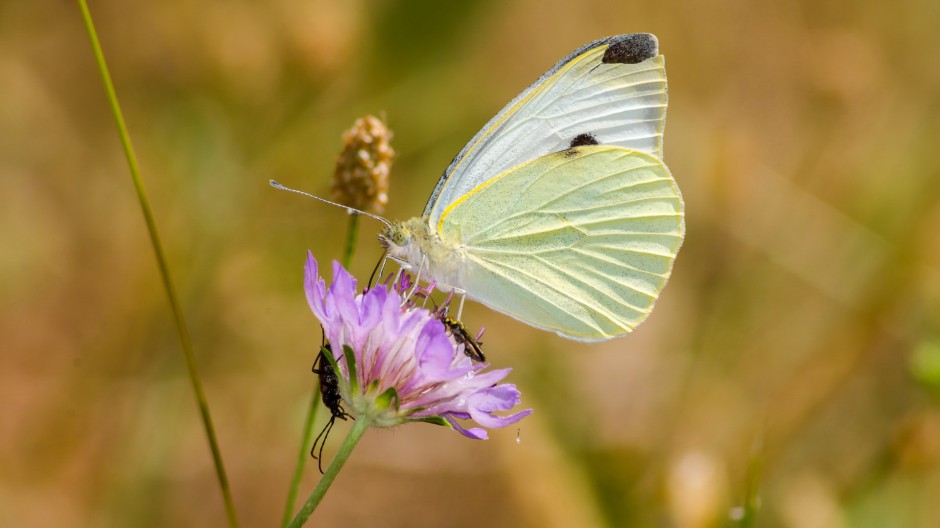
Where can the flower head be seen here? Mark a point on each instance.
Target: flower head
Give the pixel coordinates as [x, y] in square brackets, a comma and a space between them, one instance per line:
[363, 167]
[397, 362]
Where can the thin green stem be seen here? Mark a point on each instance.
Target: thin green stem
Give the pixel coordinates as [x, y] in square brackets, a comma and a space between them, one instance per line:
[359, 427]
[162, 264]
[303, 456]
[351, 235]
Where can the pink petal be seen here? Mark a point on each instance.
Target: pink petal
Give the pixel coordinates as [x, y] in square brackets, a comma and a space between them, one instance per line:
[315, 289]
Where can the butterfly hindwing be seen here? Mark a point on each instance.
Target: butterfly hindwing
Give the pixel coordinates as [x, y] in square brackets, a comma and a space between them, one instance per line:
[612, 91]
[579, 242]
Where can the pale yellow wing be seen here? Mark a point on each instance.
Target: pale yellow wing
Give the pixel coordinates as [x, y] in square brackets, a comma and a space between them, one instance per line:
[609, 92]
[579, 242]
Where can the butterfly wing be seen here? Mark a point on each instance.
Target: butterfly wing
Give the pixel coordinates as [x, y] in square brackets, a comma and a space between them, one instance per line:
[579, 242]
[610, 92]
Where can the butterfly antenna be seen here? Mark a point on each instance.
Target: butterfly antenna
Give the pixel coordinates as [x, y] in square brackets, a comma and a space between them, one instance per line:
[350, 210]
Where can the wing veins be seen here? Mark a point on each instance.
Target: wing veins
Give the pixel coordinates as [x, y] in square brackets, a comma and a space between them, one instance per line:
[626, 86]
[617, 205]
[509, 218]
[590, 286]
[587, 323]
[605, 258]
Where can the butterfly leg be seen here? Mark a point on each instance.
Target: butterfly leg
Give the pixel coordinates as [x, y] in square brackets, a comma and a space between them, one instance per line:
[463, 297]
[401, 269]
[417, 276]
[378, 270]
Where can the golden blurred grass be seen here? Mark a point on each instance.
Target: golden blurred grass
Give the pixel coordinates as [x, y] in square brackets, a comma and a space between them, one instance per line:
[804, 136]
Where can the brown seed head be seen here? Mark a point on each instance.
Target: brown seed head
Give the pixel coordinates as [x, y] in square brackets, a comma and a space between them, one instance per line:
[364, 165]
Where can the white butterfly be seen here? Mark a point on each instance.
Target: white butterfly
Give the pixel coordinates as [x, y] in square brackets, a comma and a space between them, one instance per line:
[560, 211]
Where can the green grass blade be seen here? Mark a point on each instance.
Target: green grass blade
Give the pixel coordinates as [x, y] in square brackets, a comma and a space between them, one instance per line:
[161, 263]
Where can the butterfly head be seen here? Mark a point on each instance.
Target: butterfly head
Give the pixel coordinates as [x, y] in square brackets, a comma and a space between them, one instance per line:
[410, 241]
[395, 238]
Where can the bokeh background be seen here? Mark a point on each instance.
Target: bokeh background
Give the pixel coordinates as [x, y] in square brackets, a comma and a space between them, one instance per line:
[792, 364]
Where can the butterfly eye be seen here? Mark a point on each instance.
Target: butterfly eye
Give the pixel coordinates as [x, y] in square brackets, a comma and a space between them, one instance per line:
[401, 237]
[395, 235]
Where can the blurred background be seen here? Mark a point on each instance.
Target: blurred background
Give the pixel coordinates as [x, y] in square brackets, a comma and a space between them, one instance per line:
[789, 376]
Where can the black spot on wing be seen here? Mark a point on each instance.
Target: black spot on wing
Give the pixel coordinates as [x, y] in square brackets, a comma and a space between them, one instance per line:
[583, 139]
[631, 49]
[570, 153]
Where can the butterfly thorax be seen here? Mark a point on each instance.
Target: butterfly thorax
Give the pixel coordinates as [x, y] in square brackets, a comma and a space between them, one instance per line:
[415, 241]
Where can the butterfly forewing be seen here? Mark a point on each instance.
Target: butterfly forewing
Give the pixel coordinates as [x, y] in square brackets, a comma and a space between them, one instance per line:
[608, 103]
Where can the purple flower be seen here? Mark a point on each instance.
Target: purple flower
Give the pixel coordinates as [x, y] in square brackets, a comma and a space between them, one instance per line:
[397, 363]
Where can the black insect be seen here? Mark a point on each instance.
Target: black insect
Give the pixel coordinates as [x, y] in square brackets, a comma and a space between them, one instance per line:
[471, 347]
[332, 400]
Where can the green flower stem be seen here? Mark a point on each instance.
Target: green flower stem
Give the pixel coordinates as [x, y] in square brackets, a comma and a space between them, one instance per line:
[303, 456]
[359, 427]
[162, 264]
[351, 235]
